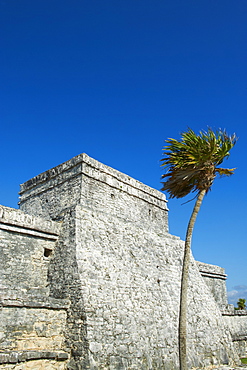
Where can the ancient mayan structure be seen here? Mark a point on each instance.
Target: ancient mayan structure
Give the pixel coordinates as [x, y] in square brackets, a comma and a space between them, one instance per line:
[90, 279]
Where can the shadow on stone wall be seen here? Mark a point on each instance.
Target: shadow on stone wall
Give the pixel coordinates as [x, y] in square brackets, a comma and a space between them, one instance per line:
[64, 282]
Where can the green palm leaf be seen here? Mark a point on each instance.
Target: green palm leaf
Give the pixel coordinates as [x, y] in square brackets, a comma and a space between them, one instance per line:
[191, 163]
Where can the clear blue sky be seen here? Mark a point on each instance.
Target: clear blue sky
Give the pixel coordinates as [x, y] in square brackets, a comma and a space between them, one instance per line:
[114, 79]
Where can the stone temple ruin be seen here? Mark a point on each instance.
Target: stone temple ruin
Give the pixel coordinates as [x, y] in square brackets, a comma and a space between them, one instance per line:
[90, 279]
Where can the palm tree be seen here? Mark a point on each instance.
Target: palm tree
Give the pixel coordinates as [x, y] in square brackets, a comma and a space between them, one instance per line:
[191, 165]
[241, 304]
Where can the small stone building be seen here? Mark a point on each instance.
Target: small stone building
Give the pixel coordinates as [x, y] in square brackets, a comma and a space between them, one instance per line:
[90, 279]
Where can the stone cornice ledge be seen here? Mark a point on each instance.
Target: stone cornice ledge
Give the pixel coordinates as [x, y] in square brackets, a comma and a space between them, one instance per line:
[15, 220]
[35, 302]
[14, 357]
[211, 271]
[95, 169]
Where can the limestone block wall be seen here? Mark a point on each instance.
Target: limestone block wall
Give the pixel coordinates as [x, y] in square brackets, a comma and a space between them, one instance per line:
[32, 324]
[120, 268]
[236, 320]
[83, 180]
[131, 280]
[215, 278]
[64, 282]
[25, 242]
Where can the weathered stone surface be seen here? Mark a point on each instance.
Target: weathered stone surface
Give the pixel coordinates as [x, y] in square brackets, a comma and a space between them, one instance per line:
[130, 279]
[32, 323]
[90, 279]
[83, 180]
[36, 365]
[30, 329]
[221, 368]
[21, 356]
[215, 278]
[28, 224]
[64, 281]
[23, 264]
[236, 320]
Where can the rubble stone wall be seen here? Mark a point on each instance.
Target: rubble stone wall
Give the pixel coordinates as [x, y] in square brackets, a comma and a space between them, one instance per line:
[91, 278]
[127, 269]
[32, 324]
[236, 320]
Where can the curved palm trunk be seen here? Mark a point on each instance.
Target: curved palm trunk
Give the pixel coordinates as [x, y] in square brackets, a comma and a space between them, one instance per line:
[184, 284]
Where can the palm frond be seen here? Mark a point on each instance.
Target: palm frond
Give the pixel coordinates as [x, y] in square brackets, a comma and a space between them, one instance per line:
[225, 171]
[192, 161]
